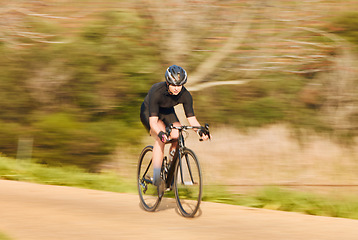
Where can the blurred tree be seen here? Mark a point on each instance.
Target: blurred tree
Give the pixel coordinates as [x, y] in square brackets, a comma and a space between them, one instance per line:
[81, 97]
[18, 22]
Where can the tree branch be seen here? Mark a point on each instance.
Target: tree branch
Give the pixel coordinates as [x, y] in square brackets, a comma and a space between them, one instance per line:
[238, 34]
[201, 86]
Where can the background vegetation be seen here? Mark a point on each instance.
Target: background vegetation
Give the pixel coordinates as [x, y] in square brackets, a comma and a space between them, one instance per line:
[4, 237]
[74, 73]
[72, 78]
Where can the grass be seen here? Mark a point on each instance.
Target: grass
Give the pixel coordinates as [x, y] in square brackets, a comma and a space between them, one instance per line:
[4, 237]
[23, 170]
[276, 198]
[269, 198]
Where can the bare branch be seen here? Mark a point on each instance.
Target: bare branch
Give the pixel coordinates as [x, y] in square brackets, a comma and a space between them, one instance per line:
[306, 43]
[333, 37]
[14, 27]
[201, 86]
[238, 34]
[30, 13]
[34, 34]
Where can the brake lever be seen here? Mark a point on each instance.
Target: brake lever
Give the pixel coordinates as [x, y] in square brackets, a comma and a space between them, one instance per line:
[168, 129]
[207, 130]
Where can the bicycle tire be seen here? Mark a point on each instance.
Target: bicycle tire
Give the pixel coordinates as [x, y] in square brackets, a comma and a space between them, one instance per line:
[188, 184]
[148, 193]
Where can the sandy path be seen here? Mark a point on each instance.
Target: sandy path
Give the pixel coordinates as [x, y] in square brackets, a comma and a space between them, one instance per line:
[40, 212]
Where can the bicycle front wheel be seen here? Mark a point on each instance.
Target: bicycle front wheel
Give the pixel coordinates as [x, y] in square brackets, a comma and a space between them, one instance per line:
[148, 193]
[188, 184]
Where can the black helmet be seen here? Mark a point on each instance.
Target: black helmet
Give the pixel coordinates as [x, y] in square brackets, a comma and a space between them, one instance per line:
[175, 75]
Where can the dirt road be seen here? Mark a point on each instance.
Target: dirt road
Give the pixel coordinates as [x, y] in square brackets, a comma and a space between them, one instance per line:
[40, 212]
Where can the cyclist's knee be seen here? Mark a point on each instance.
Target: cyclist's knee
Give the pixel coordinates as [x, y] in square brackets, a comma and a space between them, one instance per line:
[174, 134]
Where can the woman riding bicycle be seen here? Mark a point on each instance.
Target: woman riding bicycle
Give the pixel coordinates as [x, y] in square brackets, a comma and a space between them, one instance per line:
[157, 112]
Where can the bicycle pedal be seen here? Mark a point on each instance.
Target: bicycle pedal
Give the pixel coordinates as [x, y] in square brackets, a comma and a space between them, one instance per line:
[149, 179]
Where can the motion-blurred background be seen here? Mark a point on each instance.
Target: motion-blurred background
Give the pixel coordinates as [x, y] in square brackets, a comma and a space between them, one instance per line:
[276, 79]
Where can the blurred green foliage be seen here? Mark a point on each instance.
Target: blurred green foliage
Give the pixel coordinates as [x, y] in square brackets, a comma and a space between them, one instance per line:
[346, 25]
[258, 103]
[279, 198]
[294, 201]
[80, 100]
[19, 170]
[4, 237]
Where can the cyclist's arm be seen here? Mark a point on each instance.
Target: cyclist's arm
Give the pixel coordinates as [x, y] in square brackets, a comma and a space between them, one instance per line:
[154, 126]
[194, 122]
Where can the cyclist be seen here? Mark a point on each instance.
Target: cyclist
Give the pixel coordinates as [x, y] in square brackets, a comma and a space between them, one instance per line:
[157, 112]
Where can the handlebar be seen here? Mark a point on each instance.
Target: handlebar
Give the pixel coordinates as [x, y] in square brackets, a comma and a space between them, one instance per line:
[204, 129]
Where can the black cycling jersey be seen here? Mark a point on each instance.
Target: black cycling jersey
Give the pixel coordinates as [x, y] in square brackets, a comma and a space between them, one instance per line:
[159, 102]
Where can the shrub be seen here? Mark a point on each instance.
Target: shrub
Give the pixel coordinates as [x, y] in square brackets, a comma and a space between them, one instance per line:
[60, 139]
[346, 25]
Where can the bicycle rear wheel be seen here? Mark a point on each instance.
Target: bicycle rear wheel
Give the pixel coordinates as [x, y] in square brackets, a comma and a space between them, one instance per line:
[188, 184]
[148, 193]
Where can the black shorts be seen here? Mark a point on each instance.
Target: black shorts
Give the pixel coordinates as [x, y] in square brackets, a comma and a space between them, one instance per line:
[167, 115]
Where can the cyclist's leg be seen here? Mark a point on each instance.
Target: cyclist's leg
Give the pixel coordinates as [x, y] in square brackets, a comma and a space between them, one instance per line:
[158, 148]
[174, 135]
[158, 152]
[170, 117]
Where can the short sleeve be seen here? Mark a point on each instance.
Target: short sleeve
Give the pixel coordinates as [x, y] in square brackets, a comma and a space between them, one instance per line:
[188, 104]
[153, 105]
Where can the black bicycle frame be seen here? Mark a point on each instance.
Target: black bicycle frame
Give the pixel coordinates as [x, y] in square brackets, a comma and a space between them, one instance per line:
[171, 170]
[178, 157]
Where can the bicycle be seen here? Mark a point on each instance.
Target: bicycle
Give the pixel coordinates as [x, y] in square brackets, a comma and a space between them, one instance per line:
[182, 174]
